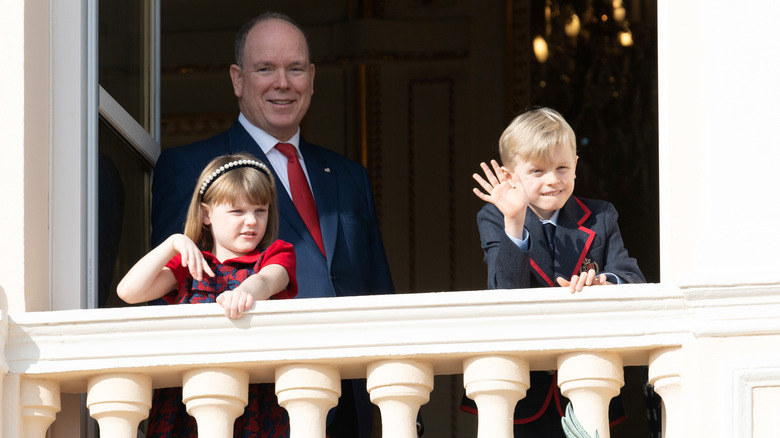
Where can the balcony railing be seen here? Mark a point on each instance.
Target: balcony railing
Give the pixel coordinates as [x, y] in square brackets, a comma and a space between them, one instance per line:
[399, 342]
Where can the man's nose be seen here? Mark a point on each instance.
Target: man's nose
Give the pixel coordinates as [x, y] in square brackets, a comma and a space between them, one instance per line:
[280, 81]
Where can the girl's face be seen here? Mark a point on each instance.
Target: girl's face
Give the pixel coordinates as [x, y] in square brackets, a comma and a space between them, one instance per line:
[237, 228]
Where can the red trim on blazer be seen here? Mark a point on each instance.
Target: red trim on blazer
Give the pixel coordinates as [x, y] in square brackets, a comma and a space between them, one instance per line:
[591, 235]
[551, 394]
[468, 409]
[584, 208]
[618, 421]
[541, 273]
[554, 388]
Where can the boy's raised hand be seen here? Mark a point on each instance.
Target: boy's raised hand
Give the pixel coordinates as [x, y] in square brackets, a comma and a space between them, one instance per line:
[578, 282]
[191, 257]
[506, 193]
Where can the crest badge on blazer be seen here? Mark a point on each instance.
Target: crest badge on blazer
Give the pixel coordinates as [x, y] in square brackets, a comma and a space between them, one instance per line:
[589, 264]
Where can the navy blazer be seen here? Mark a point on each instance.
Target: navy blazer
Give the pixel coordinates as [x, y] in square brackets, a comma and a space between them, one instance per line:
[586, 236]
[356, 263]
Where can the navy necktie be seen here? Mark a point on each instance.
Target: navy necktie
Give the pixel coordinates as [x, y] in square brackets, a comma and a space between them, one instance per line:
[549, 234]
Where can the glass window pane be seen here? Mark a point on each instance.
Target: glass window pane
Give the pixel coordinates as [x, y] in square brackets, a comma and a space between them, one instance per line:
[124, 56]
[123, 212]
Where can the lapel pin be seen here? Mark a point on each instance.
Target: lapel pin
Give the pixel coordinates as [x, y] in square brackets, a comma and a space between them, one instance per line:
[327, 170]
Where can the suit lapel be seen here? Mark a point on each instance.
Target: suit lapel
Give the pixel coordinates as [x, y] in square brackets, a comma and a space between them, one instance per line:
[572, 243]
[241, 141]
[575, 237]
[324, 184]
[541, 259]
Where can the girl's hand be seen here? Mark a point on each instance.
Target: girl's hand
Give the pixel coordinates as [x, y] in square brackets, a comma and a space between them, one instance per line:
[502, 190]
[235, 302]
[270, 280]
[578, 282]
[191, 256]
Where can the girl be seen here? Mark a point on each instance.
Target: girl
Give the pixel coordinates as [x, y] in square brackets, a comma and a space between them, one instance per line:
[230, 236]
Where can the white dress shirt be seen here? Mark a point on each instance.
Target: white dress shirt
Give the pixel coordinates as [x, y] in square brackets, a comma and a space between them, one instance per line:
[267, 144]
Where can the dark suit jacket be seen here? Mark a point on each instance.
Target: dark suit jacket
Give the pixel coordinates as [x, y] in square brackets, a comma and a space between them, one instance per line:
[587, 235]
[356, 263]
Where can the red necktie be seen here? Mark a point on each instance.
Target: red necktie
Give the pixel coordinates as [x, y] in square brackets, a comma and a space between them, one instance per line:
[301, 193]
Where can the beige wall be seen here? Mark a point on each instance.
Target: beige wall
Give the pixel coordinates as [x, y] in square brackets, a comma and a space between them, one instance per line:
[12, 136]
[37, 134]
[42, 132]
[718, 145]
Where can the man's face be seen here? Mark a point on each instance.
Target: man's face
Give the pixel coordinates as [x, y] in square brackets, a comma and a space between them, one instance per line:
[276, 82]
[548, 183]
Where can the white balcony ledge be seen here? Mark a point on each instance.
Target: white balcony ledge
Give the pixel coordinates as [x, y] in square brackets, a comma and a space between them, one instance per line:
[161, 341]
[669, 328]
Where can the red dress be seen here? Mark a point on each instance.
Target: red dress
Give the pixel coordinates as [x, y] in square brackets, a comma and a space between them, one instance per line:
[263, 417]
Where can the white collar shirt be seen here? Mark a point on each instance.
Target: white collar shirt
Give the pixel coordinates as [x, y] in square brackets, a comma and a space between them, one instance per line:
[267, 144]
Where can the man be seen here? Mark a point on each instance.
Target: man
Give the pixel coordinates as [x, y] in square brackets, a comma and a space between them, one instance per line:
[338, 246]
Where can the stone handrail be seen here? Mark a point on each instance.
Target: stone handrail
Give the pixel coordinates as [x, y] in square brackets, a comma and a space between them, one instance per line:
[415, 336]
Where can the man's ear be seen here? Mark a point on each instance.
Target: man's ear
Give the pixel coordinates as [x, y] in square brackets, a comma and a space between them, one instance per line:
[205, 212]
[237, 77]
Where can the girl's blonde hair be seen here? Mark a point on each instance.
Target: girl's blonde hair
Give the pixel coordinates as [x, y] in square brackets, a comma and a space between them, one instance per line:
[533, 135]
[225, 180]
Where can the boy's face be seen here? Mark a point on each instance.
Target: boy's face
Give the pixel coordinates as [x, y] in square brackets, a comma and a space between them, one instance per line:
[548, 183]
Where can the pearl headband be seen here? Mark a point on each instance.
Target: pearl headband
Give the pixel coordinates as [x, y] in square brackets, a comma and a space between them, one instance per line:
[234, 165]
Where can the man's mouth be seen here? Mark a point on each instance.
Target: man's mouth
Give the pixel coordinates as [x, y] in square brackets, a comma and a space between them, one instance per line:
[281, 102]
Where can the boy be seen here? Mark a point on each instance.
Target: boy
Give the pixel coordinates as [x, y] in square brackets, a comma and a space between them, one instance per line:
[535, 233]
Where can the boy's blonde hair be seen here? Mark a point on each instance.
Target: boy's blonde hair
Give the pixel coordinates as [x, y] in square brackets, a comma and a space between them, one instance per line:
[253, 184]
[533, 135]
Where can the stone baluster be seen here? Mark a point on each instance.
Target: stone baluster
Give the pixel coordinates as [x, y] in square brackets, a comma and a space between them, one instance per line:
[40, 402]
[664, 374]
[590, 380]
[308, 392]
[215, 397]
[399, 388]
[496, 384]
[119, 402]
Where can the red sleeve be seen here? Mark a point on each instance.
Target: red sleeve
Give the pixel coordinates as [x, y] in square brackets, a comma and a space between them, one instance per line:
[178, 270]
[281, 253]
